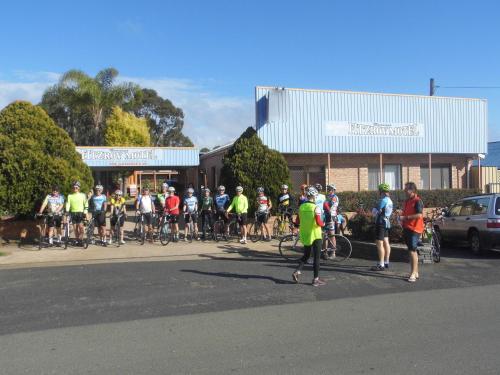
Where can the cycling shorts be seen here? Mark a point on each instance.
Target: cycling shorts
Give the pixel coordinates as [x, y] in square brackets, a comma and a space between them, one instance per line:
[77, 217]
[99, 218]
[54, 221]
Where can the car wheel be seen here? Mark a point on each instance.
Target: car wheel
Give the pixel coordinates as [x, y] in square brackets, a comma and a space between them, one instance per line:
[475, 242]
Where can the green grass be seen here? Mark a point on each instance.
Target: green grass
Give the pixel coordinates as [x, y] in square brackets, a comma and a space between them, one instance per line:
[2, 254]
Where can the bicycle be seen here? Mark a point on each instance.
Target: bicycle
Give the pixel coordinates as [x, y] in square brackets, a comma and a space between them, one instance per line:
[282, 225]
[190, 227]
[219, 230]
[206, 227]
[290, 248]
[234, 228]
[43, 240]
[115, 237]
[432, 235]
[166, 233]
[256, 231]
[88, 237]
[140, 229]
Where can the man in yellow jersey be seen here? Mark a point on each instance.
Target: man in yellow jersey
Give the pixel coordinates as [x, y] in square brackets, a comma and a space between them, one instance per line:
[240, 206]
[310, 223]
[77, 207]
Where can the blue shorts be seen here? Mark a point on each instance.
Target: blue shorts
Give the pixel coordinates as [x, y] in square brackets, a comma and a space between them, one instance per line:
[411, 239]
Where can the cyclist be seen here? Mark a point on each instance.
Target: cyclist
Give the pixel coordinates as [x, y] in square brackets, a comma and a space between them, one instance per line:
[320, 198]
[117, 206]
[240, 206]
[190, 209]
[382, 214]
[160, 202]
[207, 208]
[303, 196]
[172, 210]
[310, 224]
[97, 206]
[146, 208]
[54, 203]
[285, 202]
[77, 207]
[264, 206]
[330, 209]
[221, 203]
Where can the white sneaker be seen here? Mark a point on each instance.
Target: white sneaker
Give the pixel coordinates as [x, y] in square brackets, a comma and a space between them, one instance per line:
[51, 241]
[122, 242]
[110, 242]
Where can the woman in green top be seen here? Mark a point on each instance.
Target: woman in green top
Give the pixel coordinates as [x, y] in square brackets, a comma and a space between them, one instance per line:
[310, 223]
[240, 206]
[77, 207]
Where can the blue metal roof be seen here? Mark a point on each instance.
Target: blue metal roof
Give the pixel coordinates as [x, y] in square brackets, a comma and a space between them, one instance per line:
[316, 121]
[140, 156]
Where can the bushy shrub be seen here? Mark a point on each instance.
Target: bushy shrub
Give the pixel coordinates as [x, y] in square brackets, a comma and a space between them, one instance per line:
[353, 200]
[35, 154]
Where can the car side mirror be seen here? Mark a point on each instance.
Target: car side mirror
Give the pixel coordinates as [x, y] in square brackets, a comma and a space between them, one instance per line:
[445, 212]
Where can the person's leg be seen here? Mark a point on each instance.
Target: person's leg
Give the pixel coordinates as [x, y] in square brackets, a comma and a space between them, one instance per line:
[380, 251]
[316, 248]
[244, 227]
[203, 224]
[302, 261]
[387, 252]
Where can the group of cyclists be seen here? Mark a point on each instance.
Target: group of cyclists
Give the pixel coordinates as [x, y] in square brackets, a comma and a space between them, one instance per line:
[77, 207]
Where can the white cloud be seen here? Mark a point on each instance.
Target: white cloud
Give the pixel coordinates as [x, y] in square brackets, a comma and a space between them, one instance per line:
[210, 119]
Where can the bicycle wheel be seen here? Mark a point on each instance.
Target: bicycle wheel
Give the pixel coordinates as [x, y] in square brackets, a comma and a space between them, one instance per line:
[116, 234]
[436, 248]
[338, 248]
[142, 234]
[255, 232]
[165, 233]
[42, 237]
[89, 235]
[290, 248]
[65, 239]
[233, 232]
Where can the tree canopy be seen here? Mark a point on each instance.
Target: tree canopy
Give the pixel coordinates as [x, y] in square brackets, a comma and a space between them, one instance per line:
[165, 120]
[251, 164]
[124, 129]
[34, 155]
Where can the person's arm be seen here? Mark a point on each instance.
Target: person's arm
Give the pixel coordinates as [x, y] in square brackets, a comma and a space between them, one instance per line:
[270, 205]
[419, 208]
[85, 203]
[68, 203]
[317, 217]
[230, 208]
[177, 204]
[44, 204]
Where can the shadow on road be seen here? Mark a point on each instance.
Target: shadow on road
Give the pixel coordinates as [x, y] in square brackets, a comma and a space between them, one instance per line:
[239, 276]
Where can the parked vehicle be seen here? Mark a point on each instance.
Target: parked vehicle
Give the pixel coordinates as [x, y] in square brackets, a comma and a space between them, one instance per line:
[475, 220]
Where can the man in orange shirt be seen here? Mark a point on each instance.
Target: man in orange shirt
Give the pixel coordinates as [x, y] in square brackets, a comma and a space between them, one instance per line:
[412, 220]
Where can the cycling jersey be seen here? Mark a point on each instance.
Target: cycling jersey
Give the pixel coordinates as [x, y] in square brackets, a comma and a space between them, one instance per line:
[171, 202]
[320, 199]
[145, 204]
[207, 203]
[331, 206]
[96, 202]
[262, 204]
[221, 202]
[54, 203]
[117, 204]
[384, 208]
[239, 203]
[162, 197]
[77, 202]
[191, 204]
[302, 199]
[309, 230]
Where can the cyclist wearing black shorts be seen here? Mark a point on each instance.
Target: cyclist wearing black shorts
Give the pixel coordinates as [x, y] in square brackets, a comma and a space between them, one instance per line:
[55, 206]
[285, 203]
[146, 208]
[207, 208]
[97, 206]
[118, 210]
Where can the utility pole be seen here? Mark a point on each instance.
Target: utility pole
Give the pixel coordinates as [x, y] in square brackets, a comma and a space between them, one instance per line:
[432, 87]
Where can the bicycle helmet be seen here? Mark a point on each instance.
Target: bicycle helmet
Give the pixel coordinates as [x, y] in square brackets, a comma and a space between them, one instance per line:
[171, 189]
[164, 185]
[206, 190]
[221, 188]
[118, 192]
[311, 191]
[239, 188]
[318, 187]
[384, 187]
[330, 187]
[283, 187]
[55, 187]
[190, 190]
[76, 183]
[99, 187]
[260, 190]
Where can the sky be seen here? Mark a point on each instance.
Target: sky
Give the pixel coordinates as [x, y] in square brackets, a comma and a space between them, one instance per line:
[208, 56]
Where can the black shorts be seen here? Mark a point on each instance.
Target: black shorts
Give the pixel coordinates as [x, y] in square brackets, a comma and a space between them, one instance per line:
[99, 218]
[262, 217]
[114, 219]
[242, 219]
[381, 232]
[193, 216]
[221, 215]
[411, 239]
[77, 217]
[172, 218]
[148, 218]
[54, 221]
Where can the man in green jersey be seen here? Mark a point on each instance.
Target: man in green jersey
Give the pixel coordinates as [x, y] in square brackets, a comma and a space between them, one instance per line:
[310, 224]
[207, 208]
[240, 206]
[77, 207]
[163, 195]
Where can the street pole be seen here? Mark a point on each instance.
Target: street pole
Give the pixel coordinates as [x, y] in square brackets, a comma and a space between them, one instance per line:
[432, 88]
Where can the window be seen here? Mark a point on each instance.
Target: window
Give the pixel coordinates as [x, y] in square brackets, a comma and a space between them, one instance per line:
[440, 176]
[392, 176]
[481, 207]
[455, 209]
[468, 207]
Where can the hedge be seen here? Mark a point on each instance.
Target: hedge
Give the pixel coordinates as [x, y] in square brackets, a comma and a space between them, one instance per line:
[351, 201]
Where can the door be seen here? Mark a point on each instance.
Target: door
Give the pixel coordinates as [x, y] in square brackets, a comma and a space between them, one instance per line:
[449, 226]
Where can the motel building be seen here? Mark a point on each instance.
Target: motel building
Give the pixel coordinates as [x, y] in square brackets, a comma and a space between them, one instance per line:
[132, 168]
[357, 140]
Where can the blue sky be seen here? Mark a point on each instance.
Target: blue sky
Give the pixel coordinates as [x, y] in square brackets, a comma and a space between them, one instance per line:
[207, 57]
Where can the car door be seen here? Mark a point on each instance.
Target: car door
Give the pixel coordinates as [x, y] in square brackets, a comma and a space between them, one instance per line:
[465, 220]
[448, 227]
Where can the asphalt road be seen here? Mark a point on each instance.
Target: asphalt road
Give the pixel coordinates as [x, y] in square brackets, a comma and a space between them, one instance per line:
[243, 315]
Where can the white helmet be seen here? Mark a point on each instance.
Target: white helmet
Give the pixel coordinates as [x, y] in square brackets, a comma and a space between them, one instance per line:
[164, 185]
[221, 188]
[118, 192]
[311, 191]
[171, 189]
[260, 190]
[239, 189]
[190, 190]
[284, 187]
[99, 187]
